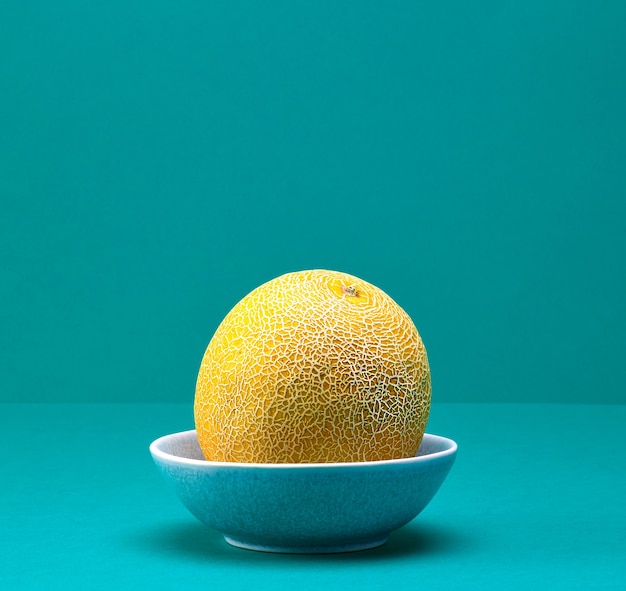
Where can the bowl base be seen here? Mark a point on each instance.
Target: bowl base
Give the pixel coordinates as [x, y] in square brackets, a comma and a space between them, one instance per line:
[330, 549]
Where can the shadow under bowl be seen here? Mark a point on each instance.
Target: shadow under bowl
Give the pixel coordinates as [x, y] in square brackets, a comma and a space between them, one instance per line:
[304, 508]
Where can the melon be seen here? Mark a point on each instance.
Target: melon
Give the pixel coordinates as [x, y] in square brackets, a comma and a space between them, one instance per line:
[313, 366]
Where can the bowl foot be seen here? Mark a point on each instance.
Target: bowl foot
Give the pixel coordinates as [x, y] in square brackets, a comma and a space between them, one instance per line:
[330, 549]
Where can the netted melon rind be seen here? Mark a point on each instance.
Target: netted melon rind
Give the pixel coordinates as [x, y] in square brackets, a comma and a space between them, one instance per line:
[313, 366]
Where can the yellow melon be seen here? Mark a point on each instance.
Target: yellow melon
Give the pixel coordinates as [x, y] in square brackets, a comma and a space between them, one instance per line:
[313, 366]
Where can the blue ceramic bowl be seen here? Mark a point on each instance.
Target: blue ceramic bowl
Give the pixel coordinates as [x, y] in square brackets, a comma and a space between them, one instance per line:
[312, 508]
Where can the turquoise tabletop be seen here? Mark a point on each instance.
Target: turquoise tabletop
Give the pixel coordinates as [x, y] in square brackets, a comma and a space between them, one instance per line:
[534, 500]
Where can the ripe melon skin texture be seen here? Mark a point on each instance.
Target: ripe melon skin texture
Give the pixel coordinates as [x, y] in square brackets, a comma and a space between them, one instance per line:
[313, 366]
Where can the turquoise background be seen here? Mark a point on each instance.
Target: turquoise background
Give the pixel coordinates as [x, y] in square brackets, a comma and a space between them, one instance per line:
[159, 160]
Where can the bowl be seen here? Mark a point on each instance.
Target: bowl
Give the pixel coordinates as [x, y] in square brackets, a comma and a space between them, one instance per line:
[303, 508]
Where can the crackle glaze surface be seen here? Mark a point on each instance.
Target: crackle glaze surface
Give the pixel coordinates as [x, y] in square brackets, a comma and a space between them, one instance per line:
[304, 507]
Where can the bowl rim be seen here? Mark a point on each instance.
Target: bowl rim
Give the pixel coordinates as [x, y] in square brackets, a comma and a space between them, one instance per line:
[450, 450]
